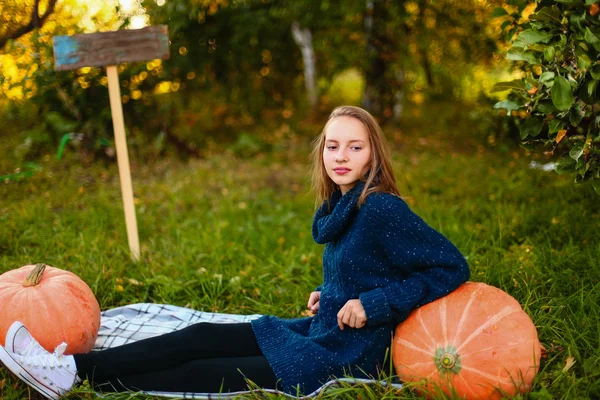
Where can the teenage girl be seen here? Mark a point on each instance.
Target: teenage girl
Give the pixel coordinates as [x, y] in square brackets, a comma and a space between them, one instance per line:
[381, 261]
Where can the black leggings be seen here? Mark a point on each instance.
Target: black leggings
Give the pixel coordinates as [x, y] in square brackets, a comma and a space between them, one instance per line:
[202, 358]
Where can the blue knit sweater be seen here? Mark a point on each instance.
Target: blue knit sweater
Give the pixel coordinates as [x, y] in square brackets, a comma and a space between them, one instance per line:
[384, 255]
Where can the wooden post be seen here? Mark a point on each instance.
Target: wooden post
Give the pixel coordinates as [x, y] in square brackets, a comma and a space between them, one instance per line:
[116, 108]
[109, 49]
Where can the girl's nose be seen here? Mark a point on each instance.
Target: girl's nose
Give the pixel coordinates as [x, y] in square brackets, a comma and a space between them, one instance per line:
[340, 156]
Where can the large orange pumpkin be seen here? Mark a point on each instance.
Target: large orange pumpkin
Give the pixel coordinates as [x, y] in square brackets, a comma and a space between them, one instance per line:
[476, 342]
[55, 305]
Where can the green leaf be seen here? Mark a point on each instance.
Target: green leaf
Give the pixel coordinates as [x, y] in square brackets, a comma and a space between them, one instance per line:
[577, 20]
[583, 60]
[595, 71]
[517, 84]
[546, 107]
[555, 125]
[591, 87]
[499, 12]
[538, 47]
[549, 52]
[564, 165]
[547, 77]
[531, 127]
[537, 25]
[518, 54]
[575, 115]
[562, 96]
[530, 36]
[590, 37]
[547, 14]
[583, 93]
[576, 151]
[508, 104]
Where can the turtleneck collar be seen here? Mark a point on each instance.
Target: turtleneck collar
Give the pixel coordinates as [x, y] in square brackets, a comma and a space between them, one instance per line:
[328, 227]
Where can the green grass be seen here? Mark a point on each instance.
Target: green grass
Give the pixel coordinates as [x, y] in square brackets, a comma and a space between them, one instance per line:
[234, 235]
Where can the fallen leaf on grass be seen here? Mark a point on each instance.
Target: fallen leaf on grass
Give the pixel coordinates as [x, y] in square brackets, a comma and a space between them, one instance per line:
[569, 363]
[544, 351]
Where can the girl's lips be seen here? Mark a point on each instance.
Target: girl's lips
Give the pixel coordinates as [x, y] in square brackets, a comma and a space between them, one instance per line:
[341, 171]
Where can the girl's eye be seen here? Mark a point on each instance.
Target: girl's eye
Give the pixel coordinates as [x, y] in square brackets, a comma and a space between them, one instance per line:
[355, 148]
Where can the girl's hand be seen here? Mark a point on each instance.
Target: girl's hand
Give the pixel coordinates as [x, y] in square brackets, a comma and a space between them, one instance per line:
[313, 302]
[352, 314]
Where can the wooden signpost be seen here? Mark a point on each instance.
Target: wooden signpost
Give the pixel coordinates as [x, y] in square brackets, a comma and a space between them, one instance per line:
[109, 49]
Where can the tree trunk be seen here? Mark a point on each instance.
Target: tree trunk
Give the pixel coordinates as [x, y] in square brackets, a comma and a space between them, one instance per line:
[422, 47]
[303, 38]
[370, 99]
[384, 78]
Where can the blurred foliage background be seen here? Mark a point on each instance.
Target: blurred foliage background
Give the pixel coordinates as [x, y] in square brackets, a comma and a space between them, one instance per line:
[246, 74]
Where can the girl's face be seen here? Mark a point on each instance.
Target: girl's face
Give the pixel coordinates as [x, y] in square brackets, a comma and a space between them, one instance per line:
[347, 151]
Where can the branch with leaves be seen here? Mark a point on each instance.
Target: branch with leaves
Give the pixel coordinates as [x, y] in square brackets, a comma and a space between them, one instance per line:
[558, 48]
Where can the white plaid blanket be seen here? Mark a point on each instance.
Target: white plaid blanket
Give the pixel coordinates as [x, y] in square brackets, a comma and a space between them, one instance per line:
[128, 324]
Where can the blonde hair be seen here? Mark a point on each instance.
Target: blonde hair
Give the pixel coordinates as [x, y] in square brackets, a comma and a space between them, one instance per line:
[380, 177]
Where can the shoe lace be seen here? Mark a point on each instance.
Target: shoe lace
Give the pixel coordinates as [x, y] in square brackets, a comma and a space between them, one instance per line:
[48, 360]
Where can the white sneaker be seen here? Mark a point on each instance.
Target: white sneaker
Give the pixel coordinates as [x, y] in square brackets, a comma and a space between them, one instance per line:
[51, 374]
[19, 341]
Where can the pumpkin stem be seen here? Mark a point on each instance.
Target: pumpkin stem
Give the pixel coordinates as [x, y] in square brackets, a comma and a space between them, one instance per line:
[35, 276]
[447, 360]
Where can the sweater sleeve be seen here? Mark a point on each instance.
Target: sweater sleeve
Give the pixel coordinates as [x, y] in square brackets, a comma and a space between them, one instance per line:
[425, 265]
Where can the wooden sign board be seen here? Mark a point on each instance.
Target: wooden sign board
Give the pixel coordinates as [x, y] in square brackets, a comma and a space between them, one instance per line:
[108, 49]
[111, 48]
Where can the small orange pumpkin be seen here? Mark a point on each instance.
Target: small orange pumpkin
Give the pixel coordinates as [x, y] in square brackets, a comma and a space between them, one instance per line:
[476, 342]
[55, 305]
